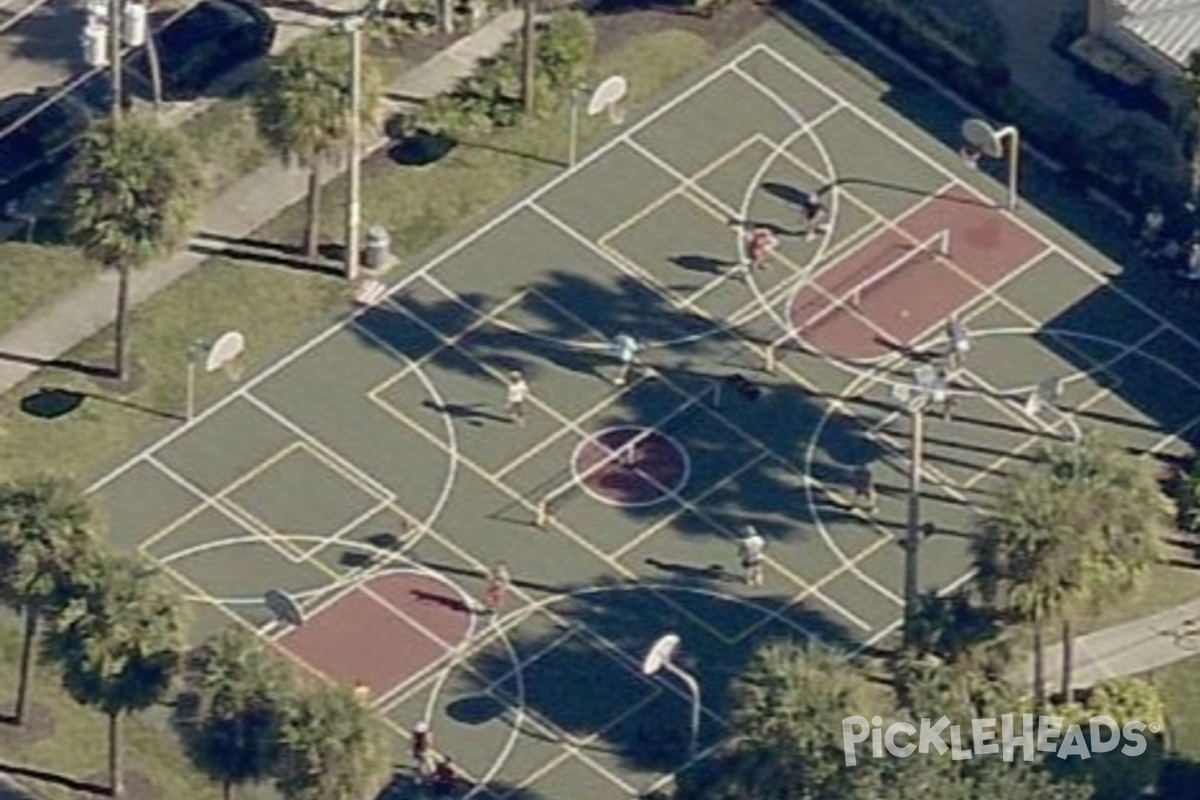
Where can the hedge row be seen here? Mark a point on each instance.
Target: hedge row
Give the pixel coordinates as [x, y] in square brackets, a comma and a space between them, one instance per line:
[491, 97]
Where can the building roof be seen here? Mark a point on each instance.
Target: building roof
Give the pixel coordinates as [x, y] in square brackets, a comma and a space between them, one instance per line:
[1171, 27]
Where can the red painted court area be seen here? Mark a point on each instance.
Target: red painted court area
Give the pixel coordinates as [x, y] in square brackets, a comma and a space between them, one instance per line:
[384, 631]
[860, 308]
[624, 475]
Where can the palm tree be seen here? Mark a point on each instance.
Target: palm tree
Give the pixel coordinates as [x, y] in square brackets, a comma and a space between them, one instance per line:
[303, 112]
[116, 635]
[1029, 558]
[231, 711]
[789, 704]
[331, 749]
[1120, 515]
[45, 528]
[131, 196]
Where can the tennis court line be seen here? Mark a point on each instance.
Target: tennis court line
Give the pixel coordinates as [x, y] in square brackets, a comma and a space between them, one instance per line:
[438, 258]
[930, 161]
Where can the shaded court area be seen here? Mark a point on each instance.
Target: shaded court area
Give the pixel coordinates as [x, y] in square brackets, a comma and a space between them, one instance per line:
[385, 479]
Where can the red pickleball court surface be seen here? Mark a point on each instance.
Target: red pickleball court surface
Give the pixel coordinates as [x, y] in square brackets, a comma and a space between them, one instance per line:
[639, 476]
[384, 631]
[899, 308]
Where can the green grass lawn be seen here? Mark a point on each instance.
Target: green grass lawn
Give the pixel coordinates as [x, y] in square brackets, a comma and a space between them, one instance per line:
[32, 275]
[276, 308]
[1180, 685]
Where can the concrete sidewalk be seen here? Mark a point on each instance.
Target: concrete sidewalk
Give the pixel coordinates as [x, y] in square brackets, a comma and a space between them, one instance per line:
[244, 207]
[1138, 646]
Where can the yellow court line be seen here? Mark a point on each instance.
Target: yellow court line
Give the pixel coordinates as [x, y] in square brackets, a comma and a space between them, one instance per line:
[444, 342]
[504, 488]
[993, 292]
[660, 201]
[753, 439]
[218, 502]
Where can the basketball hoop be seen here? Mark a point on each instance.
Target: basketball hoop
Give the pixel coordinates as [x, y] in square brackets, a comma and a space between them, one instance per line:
[607, 99]
[226, 355]
[970, 155]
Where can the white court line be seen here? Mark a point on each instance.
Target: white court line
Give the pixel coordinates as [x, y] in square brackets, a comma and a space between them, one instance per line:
[457, 246]
[1033, 230]
[250, 525]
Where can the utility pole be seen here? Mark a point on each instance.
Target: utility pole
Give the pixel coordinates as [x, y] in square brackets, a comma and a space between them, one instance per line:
[115, 18]
[912, 541]
[354, 183]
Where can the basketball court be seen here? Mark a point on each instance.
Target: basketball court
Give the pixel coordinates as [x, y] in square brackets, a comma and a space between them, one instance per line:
[374, 476]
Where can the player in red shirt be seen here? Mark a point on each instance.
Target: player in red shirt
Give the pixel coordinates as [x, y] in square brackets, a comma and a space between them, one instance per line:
[759, 245]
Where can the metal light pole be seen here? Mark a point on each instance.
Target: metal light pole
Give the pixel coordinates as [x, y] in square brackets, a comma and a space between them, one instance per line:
[354, 182]
[927, 386]
[659, 658]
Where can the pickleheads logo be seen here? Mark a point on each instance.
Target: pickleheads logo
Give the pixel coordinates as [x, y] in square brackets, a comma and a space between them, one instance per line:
[1004, 736]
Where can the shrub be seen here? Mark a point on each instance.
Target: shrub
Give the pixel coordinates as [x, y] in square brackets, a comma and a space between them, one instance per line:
[565, 48]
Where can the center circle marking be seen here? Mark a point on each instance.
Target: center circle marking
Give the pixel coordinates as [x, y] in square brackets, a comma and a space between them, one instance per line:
[608, 468]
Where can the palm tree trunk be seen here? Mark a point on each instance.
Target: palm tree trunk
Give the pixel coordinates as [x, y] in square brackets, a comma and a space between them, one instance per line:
[1039, 666]
[312, 234]
[32, 614]
[445, 12]
[1068, 658]
[527, 60]
[115, 776]
[122, 326]
[227, 789]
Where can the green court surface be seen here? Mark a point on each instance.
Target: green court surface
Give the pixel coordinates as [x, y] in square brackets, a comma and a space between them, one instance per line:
[382, 453]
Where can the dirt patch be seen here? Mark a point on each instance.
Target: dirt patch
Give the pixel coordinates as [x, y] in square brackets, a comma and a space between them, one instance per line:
[38, 725]
[617, 22]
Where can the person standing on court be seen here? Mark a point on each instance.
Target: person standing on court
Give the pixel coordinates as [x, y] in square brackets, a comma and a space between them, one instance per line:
[498, 586]
[422, 749]
[751, 549]
[864, 489]
[960, 342]
[813, 216]
[759, 246]
[518, 393]
[627, 349]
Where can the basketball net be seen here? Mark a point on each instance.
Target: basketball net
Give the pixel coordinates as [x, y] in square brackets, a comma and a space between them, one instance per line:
[616, 113]
[234, 368]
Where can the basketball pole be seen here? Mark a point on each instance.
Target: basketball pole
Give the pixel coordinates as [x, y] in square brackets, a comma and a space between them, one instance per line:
[193, 352]
[573, 127]
[1014, 161]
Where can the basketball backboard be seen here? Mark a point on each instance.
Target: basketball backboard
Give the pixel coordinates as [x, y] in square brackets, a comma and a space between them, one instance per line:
[660, 654]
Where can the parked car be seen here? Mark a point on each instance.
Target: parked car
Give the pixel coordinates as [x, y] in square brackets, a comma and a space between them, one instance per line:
[37, 148]
[206, 42]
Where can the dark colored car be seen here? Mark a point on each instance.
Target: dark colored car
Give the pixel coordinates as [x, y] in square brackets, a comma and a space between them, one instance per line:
[206, 42]
[37, 147]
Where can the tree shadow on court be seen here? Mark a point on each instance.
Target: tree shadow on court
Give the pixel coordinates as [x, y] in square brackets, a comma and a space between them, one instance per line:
[638, 726]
